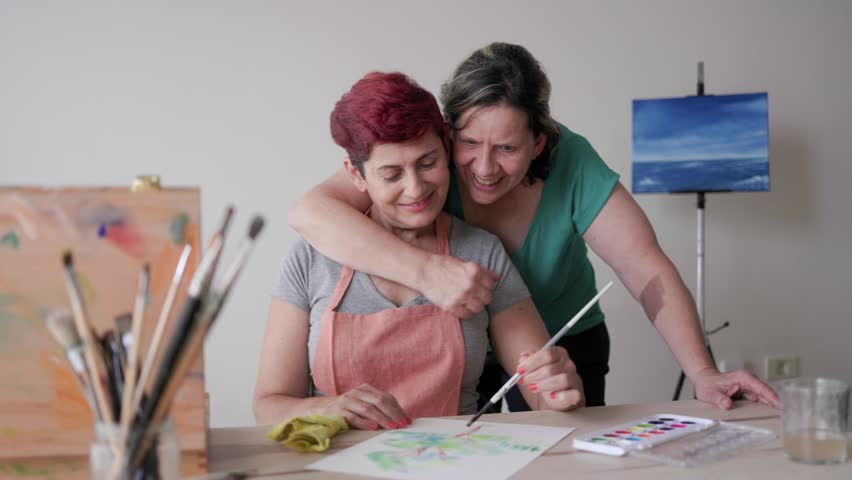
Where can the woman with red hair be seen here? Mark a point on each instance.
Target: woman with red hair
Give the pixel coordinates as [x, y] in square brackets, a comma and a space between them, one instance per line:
[343, 342]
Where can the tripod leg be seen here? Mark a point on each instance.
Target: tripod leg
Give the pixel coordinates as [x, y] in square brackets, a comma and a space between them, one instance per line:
[680, 380]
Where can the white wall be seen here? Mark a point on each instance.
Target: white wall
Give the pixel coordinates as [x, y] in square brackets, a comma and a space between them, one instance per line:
[235, 96]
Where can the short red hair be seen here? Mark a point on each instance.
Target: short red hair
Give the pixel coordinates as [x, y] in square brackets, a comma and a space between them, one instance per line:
[383, 108]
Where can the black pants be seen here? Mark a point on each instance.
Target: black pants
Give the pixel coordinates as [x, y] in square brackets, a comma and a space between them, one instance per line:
[588, 350]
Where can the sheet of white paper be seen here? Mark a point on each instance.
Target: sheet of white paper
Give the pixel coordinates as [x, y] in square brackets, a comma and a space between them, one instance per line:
[437, 448]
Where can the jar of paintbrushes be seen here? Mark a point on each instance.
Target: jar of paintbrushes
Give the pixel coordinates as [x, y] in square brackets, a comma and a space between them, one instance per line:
[131, 387]
[161, 462]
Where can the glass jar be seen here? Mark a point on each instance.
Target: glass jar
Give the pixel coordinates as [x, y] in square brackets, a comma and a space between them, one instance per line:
[161, 463]
[814, 415]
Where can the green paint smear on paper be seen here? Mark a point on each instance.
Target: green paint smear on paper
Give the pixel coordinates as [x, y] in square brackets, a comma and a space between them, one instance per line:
[11, 239]
[21, 469]
[177, 228]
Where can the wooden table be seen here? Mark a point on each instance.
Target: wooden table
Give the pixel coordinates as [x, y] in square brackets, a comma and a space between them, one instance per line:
[235, 449]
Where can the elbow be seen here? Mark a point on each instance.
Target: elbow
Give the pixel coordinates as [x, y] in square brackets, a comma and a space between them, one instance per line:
[257, 408]
[263, 407]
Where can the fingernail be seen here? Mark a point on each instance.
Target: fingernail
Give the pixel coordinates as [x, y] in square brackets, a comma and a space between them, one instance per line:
[409, 420]
[552, 394]
[521, 370]
[532, 387]
[392, 424]
[403, 423]
[521, 381]
[374, 426]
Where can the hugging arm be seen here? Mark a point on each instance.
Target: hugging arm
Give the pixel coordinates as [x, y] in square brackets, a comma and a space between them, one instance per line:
[332, 211]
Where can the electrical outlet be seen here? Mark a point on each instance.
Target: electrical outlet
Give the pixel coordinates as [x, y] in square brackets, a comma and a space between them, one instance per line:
[781, 367]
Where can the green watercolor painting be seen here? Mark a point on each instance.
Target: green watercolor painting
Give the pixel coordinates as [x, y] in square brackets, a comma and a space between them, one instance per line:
[419, 450]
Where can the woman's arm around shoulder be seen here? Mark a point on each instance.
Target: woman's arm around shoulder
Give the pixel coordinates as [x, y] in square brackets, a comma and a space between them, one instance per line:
[330, 218]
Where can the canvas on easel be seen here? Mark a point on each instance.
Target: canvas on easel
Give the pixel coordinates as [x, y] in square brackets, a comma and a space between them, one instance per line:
[112, 232]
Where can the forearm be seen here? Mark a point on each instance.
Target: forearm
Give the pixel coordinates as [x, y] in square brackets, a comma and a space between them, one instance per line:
[670, 307]
[275, 408]
[340, 232]
[515, 331]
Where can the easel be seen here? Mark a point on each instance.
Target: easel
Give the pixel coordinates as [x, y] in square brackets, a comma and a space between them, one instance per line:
[699, 286]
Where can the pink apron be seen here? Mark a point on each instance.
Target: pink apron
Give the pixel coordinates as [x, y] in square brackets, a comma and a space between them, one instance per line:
[414, 353]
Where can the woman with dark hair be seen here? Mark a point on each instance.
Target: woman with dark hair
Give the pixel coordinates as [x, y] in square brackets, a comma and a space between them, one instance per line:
[546, 194]
[344, 342]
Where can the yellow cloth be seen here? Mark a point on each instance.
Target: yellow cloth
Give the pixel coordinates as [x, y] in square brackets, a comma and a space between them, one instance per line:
[308, 434]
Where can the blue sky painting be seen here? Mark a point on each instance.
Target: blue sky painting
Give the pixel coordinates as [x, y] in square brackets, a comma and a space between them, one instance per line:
[701, 144]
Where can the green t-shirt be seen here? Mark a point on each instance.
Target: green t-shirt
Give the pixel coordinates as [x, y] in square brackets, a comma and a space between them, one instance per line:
[553, 259]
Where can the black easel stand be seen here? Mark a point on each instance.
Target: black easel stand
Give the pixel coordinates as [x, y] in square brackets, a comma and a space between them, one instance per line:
[699, 290]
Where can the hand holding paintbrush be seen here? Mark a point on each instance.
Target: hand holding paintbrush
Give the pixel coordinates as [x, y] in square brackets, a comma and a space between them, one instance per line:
[517, 376]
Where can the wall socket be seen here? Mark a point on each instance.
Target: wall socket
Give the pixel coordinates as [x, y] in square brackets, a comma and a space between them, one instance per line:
[781, 367]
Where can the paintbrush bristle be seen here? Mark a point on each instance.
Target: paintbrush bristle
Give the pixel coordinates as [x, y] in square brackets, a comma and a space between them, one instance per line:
[226, 221]
[67, 259]
[480, 412]
[61, 326]
[256, 226]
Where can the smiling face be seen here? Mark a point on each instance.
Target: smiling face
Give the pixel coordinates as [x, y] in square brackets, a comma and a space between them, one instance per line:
[407, 182]
[492, 149]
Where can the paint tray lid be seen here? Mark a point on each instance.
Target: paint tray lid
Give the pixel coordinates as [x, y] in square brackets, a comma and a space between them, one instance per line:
[719, 442]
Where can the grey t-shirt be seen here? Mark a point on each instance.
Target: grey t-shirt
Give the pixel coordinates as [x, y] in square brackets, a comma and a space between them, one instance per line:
[308, 279]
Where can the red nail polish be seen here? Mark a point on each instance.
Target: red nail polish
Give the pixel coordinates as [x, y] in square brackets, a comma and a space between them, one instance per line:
[552, 394]
[392, 424]
[521, 381]
[532, 387]
[521, 370]
[373, 426]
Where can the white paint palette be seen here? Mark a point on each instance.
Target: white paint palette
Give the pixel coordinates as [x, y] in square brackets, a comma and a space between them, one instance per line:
[641, 434]
[697, 441]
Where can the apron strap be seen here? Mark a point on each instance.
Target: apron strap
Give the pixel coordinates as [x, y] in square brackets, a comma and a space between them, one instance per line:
[342, 284]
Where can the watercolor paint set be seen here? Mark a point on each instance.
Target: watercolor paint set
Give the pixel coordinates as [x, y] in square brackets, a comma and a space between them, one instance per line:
[675, 439]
